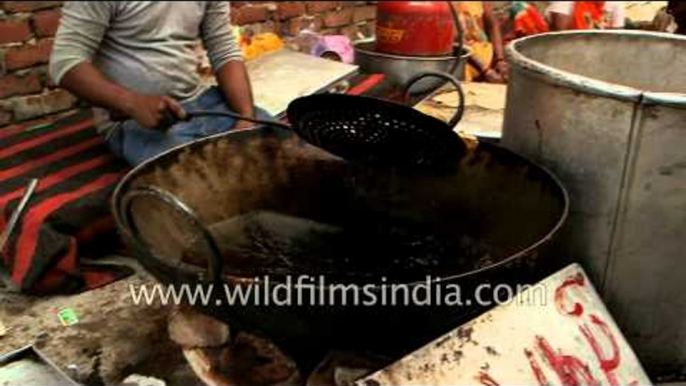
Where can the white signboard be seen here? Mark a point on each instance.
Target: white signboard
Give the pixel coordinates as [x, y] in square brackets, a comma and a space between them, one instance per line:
[557, 332]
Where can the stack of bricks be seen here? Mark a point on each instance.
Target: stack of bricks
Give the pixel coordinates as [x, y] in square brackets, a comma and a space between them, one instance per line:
[352, 18]
[27, 29]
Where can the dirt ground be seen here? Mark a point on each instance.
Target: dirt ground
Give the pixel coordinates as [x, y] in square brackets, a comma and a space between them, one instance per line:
[113, 338]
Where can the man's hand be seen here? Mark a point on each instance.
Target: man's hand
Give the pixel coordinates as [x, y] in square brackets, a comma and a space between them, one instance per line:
[243, 124]
[155, 112]
[149, 111]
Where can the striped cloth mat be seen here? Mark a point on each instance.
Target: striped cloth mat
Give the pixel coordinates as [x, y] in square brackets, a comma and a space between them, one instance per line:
[68, 215]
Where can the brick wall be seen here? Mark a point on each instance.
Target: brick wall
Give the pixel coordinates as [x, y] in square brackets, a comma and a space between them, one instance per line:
[27, 29]
[351, 18]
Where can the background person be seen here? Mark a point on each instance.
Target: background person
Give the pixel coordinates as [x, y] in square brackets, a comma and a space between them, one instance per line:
[577, 15]
[483, 36]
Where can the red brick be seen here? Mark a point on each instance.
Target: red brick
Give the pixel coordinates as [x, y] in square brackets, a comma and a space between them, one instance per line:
[13, 84]
[368, 29]
[287, 10]
[329, 31]
[45, 23]
[47, 81]
[14, 31]
[321, 6]
[43, 75]
[28, 6]
[338, 18]
[267, 26]
[295, 25]
[30, 107]
[249, 14]
[5, 117]
[367, 12]
[351, 32]
[259, 28]
[42, 120]
[28, 55]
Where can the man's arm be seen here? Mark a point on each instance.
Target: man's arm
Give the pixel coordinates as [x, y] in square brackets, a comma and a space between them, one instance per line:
[81, 30]
[226, 59]
[493, 29]
[235, 85]
[149, 111]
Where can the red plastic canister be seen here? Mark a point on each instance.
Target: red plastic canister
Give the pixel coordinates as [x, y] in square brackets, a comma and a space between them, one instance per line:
[414, 28]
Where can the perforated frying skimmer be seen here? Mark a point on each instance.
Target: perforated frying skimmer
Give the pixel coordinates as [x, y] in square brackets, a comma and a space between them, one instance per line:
[372, 131]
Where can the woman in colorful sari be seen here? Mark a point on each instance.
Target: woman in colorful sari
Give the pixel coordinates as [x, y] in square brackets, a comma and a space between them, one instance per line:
[482, 35]
[525, 20]
[576, 15]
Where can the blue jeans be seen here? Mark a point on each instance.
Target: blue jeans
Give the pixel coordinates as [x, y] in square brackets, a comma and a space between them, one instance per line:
[136, 144]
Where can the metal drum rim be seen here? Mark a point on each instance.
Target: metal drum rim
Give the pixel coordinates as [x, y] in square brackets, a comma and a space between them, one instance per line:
[586, 84]
[357, 47]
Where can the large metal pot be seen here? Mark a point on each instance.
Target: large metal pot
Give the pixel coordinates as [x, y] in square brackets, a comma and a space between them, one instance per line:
[606, 111]
[401, 68]
[493, 195]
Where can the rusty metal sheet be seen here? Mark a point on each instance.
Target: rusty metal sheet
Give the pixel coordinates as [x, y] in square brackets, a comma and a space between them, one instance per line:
[557, 332]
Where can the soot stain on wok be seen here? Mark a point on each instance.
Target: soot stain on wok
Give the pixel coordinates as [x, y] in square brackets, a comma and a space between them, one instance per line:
[365, 249]
[284, 216]
[356, 228]
[255, 245]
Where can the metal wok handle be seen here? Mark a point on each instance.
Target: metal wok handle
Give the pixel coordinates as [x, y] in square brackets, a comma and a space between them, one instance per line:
[460, 106]
[198, 113]
[214, 265]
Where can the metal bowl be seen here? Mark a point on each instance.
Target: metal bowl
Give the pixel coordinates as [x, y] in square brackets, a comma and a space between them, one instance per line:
[400, 68]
